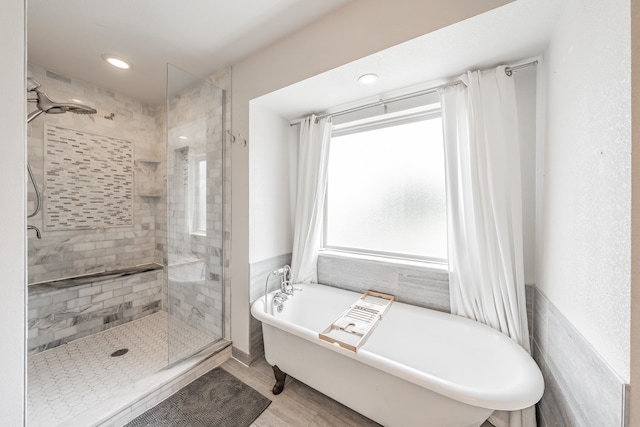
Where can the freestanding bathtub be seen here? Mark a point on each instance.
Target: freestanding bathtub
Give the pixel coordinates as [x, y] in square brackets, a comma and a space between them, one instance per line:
[419, 367]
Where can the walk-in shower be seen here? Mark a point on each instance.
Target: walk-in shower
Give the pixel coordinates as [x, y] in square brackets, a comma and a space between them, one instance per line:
[125, 274]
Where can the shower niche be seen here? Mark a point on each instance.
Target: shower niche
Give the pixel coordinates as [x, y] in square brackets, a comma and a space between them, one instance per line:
[152, 186]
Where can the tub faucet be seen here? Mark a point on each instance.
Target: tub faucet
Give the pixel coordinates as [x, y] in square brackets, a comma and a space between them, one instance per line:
[286, 287]
[278, 301]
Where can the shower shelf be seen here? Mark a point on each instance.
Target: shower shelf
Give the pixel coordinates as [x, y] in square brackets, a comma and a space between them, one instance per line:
[150, 192]
[148, 160]
[91, 278]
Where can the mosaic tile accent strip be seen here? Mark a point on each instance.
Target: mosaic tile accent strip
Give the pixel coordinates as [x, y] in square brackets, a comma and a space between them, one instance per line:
[88, 179]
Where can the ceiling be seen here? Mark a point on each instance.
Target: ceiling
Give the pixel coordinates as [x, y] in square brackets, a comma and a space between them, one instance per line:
[514, 33]
[198, 36]
[203, 36]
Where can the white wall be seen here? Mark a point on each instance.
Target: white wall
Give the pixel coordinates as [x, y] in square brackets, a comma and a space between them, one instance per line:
[583, 233]
[270, 158]
[525, 84]
[360, 28]
[13, 213]
[634, 400]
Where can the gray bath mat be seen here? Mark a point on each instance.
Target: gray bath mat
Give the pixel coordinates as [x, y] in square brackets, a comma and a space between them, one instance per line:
[217, 399]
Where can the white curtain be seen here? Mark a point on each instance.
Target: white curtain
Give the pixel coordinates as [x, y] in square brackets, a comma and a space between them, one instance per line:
[484, 208]
[313, 160]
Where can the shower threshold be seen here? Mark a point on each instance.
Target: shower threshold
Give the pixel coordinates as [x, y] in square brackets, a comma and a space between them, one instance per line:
[81, 384]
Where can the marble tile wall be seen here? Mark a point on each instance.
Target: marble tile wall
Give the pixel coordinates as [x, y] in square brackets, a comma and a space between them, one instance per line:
[156, 176]
[222, 79]
[411, 284]
[67, 253]
[580, 388]
[56, 317]
[196, 298]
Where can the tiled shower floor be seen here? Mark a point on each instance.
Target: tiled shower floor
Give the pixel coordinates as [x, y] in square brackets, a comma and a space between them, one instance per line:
[65, 381]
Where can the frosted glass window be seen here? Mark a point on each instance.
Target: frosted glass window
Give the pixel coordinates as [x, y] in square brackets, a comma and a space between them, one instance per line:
[386, 191]
[198, 201]
[201, 197]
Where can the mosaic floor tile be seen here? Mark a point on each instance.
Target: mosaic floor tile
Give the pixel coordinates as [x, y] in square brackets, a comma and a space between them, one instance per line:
[72, 378]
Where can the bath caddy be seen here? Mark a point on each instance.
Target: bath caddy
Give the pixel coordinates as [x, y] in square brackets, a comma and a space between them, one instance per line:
[352, 328]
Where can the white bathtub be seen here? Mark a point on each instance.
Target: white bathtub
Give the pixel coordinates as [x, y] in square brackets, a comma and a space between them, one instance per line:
[419, 367]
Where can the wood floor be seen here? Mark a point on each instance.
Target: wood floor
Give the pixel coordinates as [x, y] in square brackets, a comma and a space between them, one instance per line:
[298, 405]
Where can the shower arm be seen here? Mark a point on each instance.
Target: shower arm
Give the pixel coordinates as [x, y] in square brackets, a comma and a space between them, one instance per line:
[35, 113]
[32, 115]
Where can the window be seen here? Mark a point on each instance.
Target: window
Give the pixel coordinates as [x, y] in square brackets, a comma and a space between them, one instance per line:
[386, 187]
[199, 195]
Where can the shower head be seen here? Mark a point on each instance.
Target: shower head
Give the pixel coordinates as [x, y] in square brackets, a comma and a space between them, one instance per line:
[46, 105]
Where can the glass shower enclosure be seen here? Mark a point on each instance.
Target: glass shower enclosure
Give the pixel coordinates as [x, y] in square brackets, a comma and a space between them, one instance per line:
[194, 224]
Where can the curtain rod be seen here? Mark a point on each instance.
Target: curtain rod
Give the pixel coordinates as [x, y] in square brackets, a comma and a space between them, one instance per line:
[508, 71]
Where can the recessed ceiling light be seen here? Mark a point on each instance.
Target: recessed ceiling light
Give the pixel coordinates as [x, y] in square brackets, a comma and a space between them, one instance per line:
[183, 137]
[367, 79]
[116, 62]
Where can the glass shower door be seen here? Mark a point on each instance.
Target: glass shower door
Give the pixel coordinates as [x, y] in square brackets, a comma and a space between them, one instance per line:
[194, 292]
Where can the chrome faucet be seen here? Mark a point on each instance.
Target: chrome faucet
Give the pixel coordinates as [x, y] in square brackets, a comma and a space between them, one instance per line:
[278, 301]
[286, 287]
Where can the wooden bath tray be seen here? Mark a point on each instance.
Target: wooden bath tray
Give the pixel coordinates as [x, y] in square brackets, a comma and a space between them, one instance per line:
[352, 328]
